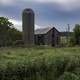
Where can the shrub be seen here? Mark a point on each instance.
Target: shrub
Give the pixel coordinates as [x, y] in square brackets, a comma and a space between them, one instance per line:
[68, 76]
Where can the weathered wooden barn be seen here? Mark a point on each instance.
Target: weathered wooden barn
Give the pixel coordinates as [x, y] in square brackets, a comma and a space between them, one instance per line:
[47, 36]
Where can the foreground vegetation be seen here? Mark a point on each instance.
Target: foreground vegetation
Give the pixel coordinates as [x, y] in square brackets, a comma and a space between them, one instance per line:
[40, 63]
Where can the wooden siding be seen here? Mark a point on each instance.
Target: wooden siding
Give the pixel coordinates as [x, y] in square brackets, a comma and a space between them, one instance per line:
[51, 38]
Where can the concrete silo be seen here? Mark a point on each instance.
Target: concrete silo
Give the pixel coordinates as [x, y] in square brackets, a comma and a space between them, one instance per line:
[28, 27]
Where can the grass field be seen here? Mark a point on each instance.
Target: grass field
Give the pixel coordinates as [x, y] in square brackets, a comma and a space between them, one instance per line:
[40, 63]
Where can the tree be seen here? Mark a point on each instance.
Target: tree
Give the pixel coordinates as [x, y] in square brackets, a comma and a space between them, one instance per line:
[5, 22]
[15, 34]
[76, 35]
[8, 34]
[4, 27]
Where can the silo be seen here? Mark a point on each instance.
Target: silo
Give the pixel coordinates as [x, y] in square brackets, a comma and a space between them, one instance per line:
[28, 27]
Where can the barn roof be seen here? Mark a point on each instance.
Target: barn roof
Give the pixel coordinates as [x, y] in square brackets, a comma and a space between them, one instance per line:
[43, 30]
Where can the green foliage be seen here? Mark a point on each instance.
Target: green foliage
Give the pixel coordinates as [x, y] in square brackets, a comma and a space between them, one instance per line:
[40, 64]
[8, 34]
[75, 40]
[5, 22]
[72, 41]
[63, 41]
[18, 43]
[69, 76]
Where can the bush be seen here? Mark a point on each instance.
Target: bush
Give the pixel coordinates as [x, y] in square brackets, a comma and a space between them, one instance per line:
[69, 76]
[19, 43]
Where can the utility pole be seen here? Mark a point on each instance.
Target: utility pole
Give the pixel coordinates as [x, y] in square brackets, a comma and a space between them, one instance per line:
[68, 32]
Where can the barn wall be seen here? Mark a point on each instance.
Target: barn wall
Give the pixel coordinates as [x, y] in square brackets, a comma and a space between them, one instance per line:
[56, 37]
[51, 38]
[48, 38]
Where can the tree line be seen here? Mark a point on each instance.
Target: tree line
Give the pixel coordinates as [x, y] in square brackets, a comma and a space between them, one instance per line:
[10, 36]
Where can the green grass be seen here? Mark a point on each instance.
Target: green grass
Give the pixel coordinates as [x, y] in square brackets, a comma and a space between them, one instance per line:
[40, 63]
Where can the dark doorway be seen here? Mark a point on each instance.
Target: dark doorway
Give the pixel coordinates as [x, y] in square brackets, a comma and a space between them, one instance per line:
[40, 39]
[53, 42]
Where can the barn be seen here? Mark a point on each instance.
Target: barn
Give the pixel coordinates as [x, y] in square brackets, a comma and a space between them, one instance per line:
[47, 36]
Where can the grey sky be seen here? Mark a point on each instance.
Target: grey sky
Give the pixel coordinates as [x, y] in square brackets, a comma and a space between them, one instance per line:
[56, 13]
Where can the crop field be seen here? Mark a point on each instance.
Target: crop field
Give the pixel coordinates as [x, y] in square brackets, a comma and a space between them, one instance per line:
[40, 63]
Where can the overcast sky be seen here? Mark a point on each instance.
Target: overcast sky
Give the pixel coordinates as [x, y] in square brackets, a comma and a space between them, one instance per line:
[57, 13]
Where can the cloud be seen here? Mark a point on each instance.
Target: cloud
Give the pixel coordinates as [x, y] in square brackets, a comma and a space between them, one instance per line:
[58, 1]
[18, 24]
[67, 5]
[6, 2]
[46, 11]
